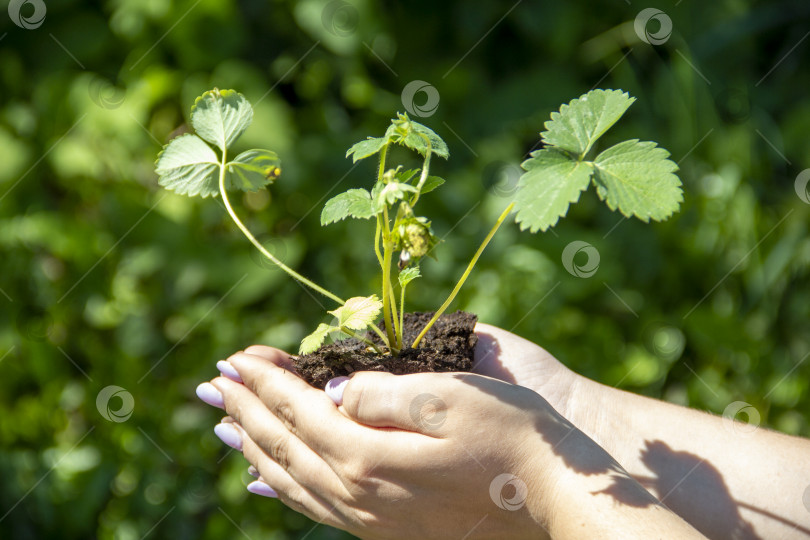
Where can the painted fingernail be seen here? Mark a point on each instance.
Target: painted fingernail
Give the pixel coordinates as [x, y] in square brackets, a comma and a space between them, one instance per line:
[209, 394]
[260, 488]
[334, 389]
[253, 471]
[229, 435]
[227, 369]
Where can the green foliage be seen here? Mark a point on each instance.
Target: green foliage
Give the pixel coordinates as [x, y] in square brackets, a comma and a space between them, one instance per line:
[358, 313]
[154, 278]
[408, 275]
[313, 341]
[188, 166]
[634, 177]
[355, 203]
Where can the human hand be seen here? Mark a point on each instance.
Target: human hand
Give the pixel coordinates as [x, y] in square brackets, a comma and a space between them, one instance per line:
[413, 456]
[508, 357]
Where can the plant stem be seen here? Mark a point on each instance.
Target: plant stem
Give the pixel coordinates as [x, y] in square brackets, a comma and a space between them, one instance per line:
[463, 276]
[401, 315]
[388, 247]
[295, 275]
[361, 338]
[425, 169]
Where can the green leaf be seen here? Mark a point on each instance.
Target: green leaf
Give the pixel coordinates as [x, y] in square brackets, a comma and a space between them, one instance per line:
[637, 178]
[389, 194]
[252, 170]
[358, 312]
[552, 182]
[366, 148]
[431, 183]
[408, 275]
[188, 166]
[312, 342]
[220, 116]
[416, 136]
[353, 203]
[577, 126]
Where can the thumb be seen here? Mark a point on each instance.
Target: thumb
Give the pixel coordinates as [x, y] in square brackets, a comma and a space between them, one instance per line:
[408, 402]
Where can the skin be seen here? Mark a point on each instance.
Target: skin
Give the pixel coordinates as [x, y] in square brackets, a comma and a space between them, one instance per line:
[417, 456]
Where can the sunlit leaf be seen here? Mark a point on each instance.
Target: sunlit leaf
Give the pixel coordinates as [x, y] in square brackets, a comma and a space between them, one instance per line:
[253, 169]
[637, 178]
[552, 182]
[188, 166]
[408, 275]
[583, 120]
[312, 342]
[353, 203]
[358, 312]
[220, 116]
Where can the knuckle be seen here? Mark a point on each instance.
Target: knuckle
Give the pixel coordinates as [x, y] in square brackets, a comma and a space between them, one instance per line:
[278, 450]
[284, 412]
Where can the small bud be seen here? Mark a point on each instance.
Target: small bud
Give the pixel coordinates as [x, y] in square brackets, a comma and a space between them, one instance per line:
[404, 259]
[416, 238]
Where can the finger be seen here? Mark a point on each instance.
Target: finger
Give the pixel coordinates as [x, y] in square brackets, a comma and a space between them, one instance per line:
[276, 356]
[289, 491]
[407, 402]
[287, 450]
[305, 411]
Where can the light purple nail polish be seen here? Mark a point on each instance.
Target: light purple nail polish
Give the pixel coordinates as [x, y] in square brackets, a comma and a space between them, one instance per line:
[334, 389]
[253, 471]
[209, 394]
[260, 488]
[228, 434]
[227, 369]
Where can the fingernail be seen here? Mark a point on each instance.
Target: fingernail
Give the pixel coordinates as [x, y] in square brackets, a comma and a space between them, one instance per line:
[334, 389]
[229, 435]
[260, 488]
[227, 369]
[209, 394]
[253, 471]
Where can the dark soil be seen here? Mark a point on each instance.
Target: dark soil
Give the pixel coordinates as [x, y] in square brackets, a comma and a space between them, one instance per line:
[448, 346]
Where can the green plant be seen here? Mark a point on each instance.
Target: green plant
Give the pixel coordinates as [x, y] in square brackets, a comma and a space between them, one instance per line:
[635, 177]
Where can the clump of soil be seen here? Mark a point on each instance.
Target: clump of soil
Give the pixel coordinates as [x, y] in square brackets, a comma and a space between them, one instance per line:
[448, 346]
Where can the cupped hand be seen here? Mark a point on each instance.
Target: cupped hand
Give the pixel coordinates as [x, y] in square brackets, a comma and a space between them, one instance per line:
[412, 456]
[508, 357]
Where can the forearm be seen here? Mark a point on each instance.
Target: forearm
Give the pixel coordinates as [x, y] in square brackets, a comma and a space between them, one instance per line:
[592, 496]
[727, 480]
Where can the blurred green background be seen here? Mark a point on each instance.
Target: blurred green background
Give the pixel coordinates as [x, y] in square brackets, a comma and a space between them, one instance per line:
[105, 279]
